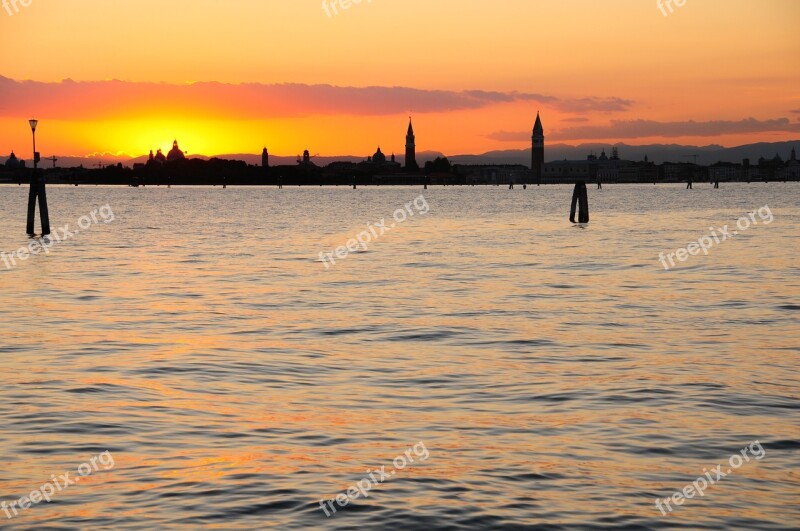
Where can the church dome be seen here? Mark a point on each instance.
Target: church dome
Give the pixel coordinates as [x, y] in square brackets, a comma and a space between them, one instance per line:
[175, 153]
[379, 157]
[13, 161]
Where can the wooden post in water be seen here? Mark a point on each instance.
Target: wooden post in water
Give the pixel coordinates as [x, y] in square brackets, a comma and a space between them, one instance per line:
[37, 190]
[580, 202]
[44, 214]
[689, 185]
[32, 193]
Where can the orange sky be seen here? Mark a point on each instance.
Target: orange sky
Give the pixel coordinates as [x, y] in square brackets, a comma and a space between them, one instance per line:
[231, 77]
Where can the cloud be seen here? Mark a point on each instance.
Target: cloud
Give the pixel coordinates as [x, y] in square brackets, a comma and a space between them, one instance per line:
[795, 111]
[596, 104]
[71, 100]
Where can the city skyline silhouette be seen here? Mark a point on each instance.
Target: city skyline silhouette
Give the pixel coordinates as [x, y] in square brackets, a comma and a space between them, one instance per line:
[399, 264]
[249, 89]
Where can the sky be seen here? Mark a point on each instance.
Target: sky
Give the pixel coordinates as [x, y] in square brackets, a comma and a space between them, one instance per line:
[128, 76]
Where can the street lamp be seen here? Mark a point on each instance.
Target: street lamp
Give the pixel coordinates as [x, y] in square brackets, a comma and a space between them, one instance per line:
[34, 123]
[37, 191]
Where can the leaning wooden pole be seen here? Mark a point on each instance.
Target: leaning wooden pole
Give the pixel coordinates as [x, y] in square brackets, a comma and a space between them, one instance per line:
[32, 195]
[43, 212]
[580, 204]
[38, 191]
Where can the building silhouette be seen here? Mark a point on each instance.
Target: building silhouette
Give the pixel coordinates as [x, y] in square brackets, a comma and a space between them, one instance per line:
[265, 158]
[175, 153]
[379, 163]
[792, 167]
[158, 158]
[537, 150]
[411, 148]
[306, 160]
[13, 162]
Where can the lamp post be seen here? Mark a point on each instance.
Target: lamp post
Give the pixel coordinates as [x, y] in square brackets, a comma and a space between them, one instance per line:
[34, 123]
[37, 191]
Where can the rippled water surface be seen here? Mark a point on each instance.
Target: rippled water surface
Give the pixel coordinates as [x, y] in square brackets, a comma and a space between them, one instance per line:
[556, 375]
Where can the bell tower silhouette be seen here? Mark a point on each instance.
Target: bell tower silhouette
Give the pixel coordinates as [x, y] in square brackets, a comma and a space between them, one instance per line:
[411, 148]
[537, 151]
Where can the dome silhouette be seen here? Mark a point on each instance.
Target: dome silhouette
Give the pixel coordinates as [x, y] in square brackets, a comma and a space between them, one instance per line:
[13, 161]
[175, 153]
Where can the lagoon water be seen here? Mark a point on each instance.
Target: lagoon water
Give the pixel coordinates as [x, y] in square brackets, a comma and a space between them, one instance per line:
[557, 375]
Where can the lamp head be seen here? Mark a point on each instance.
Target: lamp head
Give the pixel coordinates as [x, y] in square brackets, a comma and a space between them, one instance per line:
[33, 124]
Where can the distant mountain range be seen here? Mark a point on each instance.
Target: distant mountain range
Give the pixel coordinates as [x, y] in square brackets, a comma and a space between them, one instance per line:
[658, 153]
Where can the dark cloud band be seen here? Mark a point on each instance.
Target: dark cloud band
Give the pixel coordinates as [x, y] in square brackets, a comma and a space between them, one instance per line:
[71, 100]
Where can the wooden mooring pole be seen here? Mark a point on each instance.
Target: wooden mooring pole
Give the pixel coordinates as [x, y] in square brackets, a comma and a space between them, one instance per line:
[580, 203]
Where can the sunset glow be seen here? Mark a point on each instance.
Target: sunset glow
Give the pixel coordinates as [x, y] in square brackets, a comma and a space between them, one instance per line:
[399, 264]
[227, 78]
